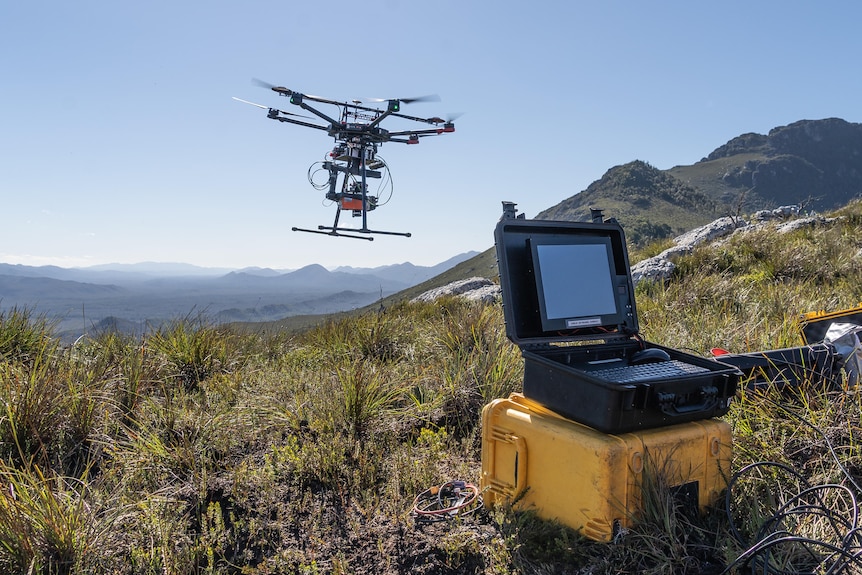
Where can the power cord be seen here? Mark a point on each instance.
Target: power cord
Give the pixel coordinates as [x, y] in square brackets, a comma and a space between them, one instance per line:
[446, 501]
[778, 545]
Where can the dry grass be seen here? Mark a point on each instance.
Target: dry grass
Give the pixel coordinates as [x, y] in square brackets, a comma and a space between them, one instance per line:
[200, 451]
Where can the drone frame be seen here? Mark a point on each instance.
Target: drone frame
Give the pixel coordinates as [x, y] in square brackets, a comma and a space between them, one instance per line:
[356, 146]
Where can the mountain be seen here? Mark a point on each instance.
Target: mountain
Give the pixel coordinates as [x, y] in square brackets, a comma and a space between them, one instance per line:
[29, 289]
[122, 274]
[813, 163]
[134, 298]
[159, 269]
[650, 203]
[482, 264]
[408, 273]
[313, 278]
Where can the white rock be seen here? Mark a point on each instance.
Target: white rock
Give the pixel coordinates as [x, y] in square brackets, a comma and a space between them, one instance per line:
[475, 288]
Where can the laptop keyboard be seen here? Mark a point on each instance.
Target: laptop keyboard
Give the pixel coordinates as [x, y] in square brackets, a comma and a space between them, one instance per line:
[648, 371]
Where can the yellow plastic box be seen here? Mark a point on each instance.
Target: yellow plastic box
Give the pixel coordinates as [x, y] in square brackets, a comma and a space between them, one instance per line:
[592, 481]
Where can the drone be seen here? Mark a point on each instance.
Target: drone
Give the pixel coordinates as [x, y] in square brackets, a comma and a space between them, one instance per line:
[358, 134]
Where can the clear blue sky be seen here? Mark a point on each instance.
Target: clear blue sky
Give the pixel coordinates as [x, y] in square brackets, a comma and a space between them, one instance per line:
[120, 141]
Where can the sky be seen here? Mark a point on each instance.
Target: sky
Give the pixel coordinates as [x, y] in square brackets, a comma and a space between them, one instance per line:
[120, 140]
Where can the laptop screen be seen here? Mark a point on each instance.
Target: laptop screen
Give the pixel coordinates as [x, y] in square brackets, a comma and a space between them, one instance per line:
[575, 284]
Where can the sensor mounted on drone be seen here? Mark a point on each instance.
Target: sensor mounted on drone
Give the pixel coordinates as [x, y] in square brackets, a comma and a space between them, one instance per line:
[358, 134]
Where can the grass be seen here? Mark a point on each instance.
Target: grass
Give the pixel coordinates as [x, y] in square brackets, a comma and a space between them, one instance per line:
[200, 450]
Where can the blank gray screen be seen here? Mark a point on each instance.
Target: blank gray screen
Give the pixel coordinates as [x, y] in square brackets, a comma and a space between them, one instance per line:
[576, 280]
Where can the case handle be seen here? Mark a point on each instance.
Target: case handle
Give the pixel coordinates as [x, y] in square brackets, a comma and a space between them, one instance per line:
[673, 405]
[519, 469]
[520, 464]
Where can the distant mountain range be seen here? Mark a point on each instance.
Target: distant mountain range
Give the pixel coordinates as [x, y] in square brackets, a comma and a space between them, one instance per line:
[138, 297]
[813, 163]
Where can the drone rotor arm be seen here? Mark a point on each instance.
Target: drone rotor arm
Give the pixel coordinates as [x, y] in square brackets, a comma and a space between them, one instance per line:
[421, 133]
[272, 112]
[319, 114]
[321, 100]
[380, 118]
[434, 120]
[275, 116]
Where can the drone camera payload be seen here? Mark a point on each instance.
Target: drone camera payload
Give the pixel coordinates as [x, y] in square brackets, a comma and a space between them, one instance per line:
[354, 158]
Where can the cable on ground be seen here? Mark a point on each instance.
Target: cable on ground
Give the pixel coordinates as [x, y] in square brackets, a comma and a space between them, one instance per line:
[446, 501]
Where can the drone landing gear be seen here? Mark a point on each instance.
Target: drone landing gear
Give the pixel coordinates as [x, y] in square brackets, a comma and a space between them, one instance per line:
[334, 231]
[362, 203]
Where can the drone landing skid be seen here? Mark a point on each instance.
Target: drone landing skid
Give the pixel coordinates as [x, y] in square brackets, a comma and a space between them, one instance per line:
[331, 231]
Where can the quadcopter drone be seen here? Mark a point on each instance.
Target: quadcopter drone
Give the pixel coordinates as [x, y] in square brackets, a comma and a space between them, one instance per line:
[358, 134]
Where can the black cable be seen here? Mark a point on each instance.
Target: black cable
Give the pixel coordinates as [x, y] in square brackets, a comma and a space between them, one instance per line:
[312, 172]
[736, 477]
[386, 180]
[820, 432]
[758, 553]
[800, 554]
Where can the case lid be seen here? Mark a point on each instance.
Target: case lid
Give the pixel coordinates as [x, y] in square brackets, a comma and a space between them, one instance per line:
[564, 281]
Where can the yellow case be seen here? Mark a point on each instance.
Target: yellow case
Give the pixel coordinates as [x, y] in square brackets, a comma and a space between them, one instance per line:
[814, 324]
[588, 480]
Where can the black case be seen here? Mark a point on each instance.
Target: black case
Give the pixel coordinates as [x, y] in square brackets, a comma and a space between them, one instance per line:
[554, 361]
[787, 367]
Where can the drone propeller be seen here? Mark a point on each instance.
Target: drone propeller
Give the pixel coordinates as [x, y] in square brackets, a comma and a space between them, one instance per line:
[262, 84]
[428, 98]
[280, 89]
[450, 118]
[268, 108]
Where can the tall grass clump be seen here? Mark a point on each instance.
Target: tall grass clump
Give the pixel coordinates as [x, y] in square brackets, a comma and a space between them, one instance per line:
[25, 336]
[477, 362]
[50, 412]
[193, 351]
[54, 525]
[120, 363]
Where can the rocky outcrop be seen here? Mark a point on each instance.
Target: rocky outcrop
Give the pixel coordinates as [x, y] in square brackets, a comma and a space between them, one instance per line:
[661, 266]
[474, 289]
[744, 144]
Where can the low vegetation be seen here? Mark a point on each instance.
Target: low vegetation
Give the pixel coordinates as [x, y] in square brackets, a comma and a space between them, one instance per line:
[200, 450]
